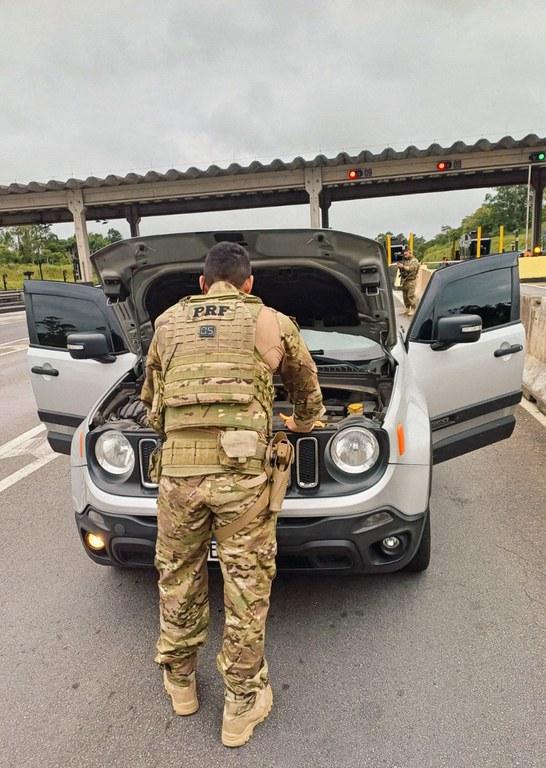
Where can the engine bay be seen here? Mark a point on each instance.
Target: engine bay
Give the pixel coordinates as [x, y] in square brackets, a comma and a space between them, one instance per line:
[369, 395]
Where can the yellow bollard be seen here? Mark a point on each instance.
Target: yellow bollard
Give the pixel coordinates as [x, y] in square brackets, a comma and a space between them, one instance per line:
[479, 242]
[501, 239]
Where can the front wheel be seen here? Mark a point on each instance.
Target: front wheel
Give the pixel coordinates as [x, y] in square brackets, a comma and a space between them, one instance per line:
[421, 559]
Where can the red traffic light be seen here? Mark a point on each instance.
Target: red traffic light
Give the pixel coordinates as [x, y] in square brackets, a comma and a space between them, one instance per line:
[444, 165]
[355, 173]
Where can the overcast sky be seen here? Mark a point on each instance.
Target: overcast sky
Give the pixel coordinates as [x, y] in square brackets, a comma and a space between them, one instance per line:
[114, 86]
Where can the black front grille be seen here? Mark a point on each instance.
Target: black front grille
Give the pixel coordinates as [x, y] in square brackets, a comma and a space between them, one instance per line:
[307, 463]
[145, 449]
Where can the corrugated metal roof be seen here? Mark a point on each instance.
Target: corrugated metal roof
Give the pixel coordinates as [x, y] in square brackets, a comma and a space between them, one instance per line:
[483, 145]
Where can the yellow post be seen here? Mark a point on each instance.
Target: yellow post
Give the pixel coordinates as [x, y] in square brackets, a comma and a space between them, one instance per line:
[479, 242]
[411, 241]
[388, 249]
[501, 239]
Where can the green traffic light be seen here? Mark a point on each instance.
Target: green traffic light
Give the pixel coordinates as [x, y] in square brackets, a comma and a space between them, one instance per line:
[537, 157]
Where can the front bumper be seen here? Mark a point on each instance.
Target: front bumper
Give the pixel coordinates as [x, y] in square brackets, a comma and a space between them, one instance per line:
[344, 544]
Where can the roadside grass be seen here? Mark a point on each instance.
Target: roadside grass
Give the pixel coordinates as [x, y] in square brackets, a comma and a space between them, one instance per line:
[441, 252]
[12, 275]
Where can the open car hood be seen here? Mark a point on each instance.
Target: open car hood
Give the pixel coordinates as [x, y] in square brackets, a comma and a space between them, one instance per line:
[327, 280]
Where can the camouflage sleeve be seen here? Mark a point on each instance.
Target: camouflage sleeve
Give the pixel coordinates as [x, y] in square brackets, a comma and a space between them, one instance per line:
[299, 375]
[153, 362]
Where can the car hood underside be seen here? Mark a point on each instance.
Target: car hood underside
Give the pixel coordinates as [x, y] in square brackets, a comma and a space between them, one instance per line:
[324, 279]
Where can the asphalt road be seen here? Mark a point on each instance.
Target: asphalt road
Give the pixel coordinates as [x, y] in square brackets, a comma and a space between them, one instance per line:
[446, 668]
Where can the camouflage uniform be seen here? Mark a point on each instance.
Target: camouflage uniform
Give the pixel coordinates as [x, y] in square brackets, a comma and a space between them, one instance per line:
[408, 274]
[200, 488]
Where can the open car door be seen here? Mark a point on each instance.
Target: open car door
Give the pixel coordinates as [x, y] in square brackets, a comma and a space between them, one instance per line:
[472, 386]
[65, 389]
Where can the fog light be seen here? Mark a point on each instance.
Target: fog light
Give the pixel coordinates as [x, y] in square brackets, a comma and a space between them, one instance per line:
[391, 543]
[94, 542]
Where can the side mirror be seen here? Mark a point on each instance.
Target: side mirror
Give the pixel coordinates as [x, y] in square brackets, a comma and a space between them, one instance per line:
[460, 329]
[89, 346]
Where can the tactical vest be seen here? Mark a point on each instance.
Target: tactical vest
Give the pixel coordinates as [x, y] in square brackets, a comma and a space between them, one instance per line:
[213, 374]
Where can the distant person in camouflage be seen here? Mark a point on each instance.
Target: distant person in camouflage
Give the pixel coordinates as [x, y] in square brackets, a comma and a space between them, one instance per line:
[209, 394]
[409, 270]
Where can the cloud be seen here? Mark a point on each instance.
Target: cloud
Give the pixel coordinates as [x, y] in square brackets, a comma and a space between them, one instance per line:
[129, 85]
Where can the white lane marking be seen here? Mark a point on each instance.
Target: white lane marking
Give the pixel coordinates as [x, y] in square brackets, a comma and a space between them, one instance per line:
[29, 469]
[533, 410]
[32, 442]
[13, 447]
[15, 349]
[13, 341]
[15, 345]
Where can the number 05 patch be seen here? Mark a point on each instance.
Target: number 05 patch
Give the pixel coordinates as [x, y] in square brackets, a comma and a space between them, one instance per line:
[207, 331]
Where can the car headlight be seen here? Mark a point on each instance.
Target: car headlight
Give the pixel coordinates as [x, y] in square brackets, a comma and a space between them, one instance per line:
[115, 453]
[354, 450]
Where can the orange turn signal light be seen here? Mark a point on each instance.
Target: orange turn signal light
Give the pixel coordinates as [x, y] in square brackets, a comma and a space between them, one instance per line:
[401, 440]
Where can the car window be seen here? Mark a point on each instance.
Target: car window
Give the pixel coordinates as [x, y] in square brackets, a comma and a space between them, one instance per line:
[488, 295]
[55, 320]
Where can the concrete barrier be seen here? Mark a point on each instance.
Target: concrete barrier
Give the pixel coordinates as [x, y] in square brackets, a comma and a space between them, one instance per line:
[423, 278]
[533, 317]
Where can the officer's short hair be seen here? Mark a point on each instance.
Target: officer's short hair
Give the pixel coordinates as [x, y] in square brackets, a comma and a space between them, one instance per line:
[227, 261]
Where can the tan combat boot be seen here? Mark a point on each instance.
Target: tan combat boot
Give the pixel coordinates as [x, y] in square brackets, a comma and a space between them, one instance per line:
[238, 724]
[411, 311]
[184, 698]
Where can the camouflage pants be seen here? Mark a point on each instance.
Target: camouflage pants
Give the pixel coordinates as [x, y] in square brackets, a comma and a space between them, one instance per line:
[186, 509]
[408, 294]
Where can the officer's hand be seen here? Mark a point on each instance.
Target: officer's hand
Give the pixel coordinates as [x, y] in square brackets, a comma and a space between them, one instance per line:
[290, 424]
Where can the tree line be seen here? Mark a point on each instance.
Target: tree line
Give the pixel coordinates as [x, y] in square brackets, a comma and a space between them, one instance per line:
[505, 206]
[37, 244]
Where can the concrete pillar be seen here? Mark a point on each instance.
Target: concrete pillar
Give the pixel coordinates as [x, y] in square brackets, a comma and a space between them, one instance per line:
[313, 186]
[77, 209]
[133, 217]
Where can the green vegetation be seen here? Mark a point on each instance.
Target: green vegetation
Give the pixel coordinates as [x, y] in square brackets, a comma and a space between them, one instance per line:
[35, 248]
[506, 206]
[14, 274]
[35, 243]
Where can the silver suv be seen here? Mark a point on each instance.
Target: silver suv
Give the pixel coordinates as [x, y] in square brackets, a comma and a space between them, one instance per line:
[395, 403]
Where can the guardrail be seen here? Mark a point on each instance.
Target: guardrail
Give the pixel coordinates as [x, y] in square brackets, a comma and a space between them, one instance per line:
[11, 301]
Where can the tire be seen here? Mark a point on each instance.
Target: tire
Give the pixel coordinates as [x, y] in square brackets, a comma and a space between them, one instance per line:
[421, 559]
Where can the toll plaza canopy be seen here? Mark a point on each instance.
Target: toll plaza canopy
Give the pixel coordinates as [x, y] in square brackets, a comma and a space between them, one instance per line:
[318, 183]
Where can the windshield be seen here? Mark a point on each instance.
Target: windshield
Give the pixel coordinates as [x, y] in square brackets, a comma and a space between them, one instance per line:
[341, 346]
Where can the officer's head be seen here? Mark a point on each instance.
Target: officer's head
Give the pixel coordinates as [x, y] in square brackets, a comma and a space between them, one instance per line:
[408, 254]
[229, 262]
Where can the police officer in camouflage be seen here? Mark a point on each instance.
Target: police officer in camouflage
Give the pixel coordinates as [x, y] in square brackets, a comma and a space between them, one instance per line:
[409, 270]
[209, 393]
